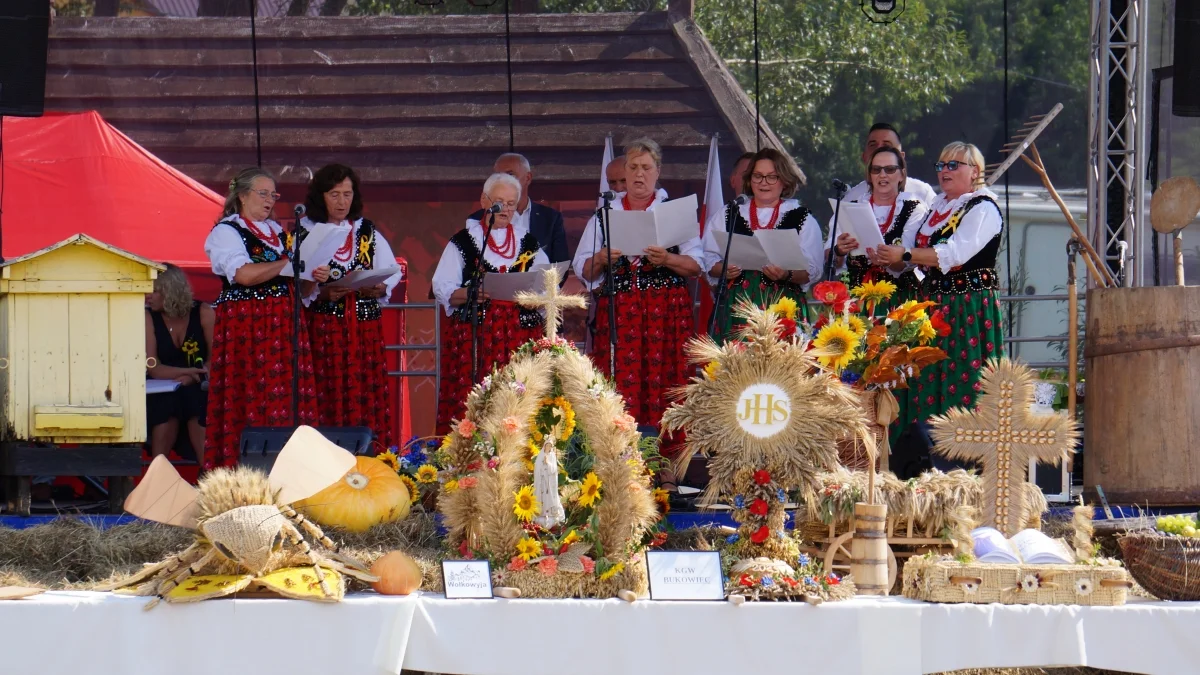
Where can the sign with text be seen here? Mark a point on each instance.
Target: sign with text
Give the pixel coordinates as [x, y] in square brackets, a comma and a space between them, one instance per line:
[685, 575]
[763, 410]
[467, 579]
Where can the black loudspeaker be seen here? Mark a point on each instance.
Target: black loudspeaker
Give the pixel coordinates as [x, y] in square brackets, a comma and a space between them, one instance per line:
[1185, 86]
[261, 445]
[24, 37]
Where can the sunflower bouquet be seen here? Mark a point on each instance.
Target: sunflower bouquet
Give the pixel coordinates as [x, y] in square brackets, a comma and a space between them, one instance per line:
[418, 463]
[870, 350]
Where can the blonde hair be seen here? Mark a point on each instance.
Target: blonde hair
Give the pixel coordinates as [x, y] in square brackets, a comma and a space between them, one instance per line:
[970, 154]
[176, 292]
[240, 185]
[644, 146]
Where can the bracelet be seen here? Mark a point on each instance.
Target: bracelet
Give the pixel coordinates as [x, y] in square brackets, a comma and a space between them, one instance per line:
[788, 280]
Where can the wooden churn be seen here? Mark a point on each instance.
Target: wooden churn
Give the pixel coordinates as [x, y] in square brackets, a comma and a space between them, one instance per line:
[869, 547]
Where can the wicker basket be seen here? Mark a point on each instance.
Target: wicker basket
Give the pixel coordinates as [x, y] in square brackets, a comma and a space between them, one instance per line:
[851, 454]
[945, 580]
[1168, 567]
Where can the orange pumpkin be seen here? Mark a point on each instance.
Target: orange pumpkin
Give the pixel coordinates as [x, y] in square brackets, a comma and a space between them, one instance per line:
[398, 574]
[370, 494]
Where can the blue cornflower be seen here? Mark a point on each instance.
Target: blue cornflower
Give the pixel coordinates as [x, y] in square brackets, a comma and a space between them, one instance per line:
[733, 538]
[803, 560]
[739, 502]
[809, 581]
[850, 378]
[767, 582]
[782, 495]
[432, 443]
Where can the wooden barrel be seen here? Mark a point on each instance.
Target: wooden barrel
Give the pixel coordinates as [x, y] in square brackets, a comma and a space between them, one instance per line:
[869, 549]
[1142, 408]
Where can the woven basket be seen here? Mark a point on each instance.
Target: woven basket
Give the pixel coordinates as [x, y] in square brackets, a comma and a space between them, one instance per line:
[1167, 567]
[853, 455]
[945, 580]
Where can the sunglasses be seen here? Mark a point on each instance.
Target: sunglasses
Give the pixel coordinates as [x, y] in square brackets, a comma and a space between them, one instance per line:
[952, 165]
[885, 170]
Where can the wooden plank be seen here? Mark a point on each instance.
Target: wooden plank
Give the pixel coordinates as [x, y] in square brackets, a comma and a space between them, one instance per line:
[7, 367]
[96, 460]
[19, 367]
[77, 286]
[89, 349]
[49, 349]
[127, 363]
[103, 423]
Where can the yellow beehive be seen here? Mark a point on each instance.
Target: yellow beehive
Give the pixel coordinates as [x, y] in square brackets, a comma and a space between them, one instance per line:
[73, 344]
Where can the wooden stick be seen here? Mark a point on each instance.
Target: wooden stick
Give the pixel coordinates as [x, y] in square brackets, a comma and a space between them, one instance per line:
[1178, 244]
[1072, 333]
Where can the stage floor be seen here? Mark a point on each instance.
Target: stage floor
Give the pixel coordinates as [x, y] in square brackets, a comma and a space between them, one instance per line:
[103, 634]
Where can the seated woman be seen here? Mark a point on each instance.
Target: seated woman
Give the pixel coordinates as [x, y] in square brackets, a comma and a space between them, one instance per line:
[179, 332]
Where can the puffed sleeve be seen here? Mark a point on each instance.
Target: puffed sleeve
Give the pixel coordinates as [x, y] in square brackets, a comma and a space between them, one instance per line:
[226, 251]
[694, 249]
[976, 229]
[385, 259]
[814, 249]
[588, 244]
[448, 277]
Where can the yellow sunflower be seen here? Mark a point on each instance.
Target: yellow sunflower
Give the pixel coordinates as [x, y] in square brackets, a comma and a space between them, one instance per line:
[926, 332]
[712, 369]
[589, 493]
[413, 492]
[390, 459]
[663, 499]
[874, 292]
[571, 538]
[528, 549]
[839, 345]
[525, 504]
[856, 324]
[785, 307]
[612, 571]
[450, 485]
[428, 473]
[531, 452]
[568, 421]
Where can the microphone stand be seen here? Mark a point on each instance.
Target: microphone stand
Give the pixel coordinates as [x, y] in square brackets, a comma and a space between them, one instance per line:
[839, 189]
[722, 293]
[297, 308]
[610, 290]
[474, 310]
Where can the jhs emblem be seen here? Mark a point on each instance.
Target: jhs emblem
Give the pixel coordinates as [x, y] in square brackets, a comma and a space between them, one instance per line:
[763, 410]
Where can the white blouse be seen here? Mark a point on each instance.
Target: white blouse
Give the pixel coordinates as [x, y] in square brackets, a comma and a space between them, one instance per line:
[976, 229]
[589, 243]
[810, 238]
[384, 258]
[226, 250]
[450, 276]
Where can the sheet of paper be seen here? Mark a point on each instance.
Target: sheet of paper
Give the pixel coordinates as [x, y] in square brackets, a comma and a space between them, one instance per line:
[632, 231]
[782, 248]
[745, 252]
[506, 286]
[858, 218]
[676, 221]
[363, 278]
[161, 386]
[685, 575]
[992, 547]
[1037, 548]
[318, 247]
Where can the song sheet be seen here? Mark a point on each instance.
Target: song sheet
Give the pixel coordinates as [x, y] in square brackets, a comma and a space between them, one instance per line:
[780, 248]
[506, 286]
[669, 224]
[318, 247]
[357, 279]
[858, 219]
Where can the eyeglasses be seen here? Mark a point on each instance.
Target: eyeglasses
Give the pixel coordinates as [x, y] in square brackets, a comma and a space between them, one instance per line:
[952, 165]
[266, 194]
[768, 179]
[506, 206]
[885, 170]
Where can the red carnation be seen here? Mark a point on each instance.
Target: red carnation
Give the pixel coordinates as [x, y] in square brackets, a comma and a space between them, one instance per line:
[758, 507]
[659, 539]
[745, 580]
[788, 327]
[762, 477]
[833, 294]
[761, 534]
[939, 324]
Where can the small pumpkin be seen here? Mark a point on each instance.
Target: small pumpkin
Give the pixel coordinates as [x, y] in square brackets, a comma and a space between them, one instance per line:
[370, 494]
[398, 574]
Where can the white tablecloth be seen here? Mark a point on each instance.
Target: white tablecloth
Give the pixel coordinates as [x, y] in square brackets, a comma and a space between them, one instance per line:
[100, 634]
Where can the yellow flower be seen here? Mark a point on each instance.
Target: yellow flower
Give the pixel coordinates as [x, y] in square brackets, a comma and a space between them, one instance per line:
[926, 332]
[838, 344]
[712, 369]
[528, 549]
[525, 504]
[427, 474]
[663, 499]
[910, 311]
[785, 307]
[413, 492]
[390, 459]
[571, 538]
[612, 571]
[874, 292]
[450, 485]
[589, 494]
[856, 324]
[531, 452]
[568, 420]
[447, 441]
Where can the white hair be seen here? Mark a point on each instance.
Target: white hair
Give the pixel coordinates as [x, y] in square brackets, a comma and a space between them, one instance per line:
[500, 179]
[513, 155]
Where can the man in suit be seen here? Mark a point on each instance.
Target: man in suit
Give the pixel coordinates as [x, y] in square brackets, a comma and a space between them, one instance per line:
[544, 222]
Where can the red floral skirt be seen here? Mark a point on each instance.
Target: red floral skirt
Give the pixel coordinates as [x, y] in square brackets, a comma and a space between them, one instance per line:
[352, 389]
[250, 374]
[652, 327]
[500, 334]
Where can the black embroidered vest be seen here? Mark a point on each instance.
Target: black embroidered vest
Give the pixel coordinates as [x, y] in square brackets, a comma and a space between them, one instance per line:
[471, 255]
[259, 252]
[858, 266]
[625, 276]
[361, 258]
[792, 220]
[978, 273]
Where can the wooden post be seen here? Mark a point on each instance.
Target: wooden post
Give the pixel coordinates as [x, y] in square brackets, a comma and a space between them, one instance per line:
[1072, 331]
[868, 549]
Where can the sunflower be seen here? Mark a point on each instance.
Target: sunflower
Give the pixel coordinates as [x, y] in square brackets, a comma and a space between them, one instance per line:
[874, 292]
[528, 549]
[785, 307]
[856, 324]
[926, 332]
[525, 504]
[413, 492]
[428, 473]
[568, 418]
[839, 345]
[571, 538]
[531, 452]
[663, 499]
[390, 459]
[589, 493]
[612, 571]
[712, 369]
[450, 485]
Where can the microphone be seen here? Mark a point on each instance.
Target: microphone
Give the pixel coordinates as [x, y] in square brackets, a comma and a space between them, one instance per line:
[299, 210]
[742, 200]
[608, 195]
[839, 187]
[494, 208]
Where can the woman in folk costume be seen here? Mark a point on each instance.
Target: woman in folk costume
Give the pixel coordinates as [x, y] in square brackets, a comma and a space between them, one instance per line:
[956, 247]
[653, 305]
[250, 373]
[345, 325]
[770, 182]
[897, 213]
[510, 247]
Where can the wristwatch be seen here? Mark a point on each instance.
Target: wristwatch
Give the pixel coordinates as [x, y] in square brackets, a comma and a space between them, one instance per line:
[907, 257]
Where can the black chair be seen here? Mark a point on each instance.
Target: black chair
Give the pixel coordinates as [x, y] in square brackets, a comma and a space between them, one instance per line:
[260, 446]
